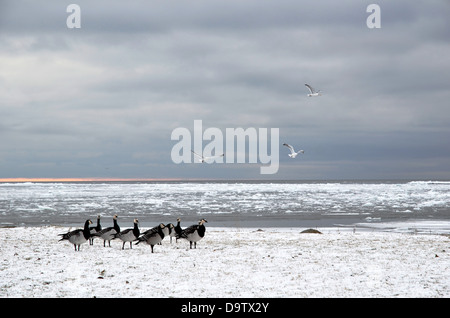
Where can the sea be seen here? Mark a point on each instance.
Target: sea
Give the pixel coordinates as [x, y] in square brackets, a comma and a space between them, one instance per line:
[408, 206]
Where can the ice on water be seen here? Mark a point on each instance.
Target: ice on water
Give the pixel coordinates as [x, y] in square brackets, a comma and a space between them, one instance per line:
[72, 203]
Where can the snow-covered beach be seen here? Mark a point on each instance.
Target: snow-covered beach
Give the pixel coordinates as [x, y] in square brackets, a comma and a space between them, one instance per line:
[228, 262]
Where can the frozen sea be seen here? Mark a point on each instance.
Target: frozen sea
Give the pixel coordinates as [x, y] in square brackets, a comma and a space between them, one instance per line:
[380, 205]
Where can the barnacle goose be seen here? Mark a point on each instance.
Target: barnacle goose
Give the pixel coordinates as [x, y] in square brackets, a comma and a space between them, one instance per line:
[153, 229]
[108, 233]
[167, 230]
[194, 233]
[172, 232]
[95, 229]
[77, 237]
[129, 235]
[178, 230]
[152, 236]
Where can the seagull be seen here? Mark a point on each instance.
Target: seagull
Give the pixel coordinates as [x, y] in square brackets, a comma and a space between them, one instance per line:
[313, 93]
[293, 153]
[204, 159]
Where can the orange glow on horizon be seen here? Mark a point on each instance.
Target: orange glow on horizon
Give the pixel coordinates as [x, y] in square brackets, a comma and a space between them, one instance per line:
[12, 180]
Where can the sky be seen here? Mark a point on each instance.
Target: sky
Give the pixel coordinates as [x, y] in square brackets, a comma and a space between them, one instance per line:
[103, 100]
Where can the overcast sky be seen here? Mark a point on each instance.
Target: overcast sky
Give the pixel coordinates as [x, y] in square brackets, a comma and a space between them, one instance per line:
[103, 100]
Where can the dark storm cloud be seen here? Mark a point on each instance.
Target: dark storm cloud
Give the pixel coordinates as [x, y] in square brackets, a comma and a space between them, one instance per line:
[103, 100]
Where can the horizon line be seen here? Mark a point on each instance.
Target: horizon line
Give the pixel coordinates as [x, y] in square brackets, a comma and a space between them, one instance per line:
[111, 179]
[89, 179]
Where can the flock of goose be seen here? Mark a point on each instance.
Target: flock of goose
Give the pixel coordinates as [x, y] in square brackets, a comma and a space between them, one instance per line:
[152, 237]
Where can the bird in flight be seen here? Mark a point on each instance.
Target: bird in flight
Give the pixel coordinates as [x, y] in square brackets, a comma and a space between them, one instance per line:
[313, 92]
[293, 153]
[202, 159]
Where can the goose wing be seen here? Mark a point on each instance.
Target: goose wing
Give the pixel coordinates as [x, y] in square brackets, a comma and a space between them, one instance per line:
[189, 230]
[150, 231]
[104, 231]
[66, 236]
[118, 235]
[148, 234]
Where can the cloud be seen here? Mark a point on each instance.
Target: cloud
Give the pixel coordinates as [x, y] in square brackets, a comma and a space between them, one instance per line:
[110, 94]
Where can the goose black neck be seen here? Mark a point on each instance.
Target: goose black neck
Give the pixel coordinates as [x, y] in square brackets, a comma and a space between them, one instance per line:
[160, 232]
[116, 226]
[86, 230]
[136, 231]
[98, 227]
[201, 230]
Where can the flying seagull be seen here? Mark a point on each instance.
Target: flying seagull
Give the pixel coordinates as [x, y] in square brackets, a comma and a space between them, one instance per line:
[293, 153]
[204, 159]
[312, 93]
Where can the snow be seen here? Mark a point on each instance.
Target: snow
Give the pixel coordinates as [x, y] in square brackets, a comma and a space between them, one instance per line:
[228, 262]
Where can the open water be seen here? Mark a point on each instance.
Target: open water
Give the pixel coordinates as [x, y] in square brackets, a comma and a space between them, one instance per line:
[245, 204]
